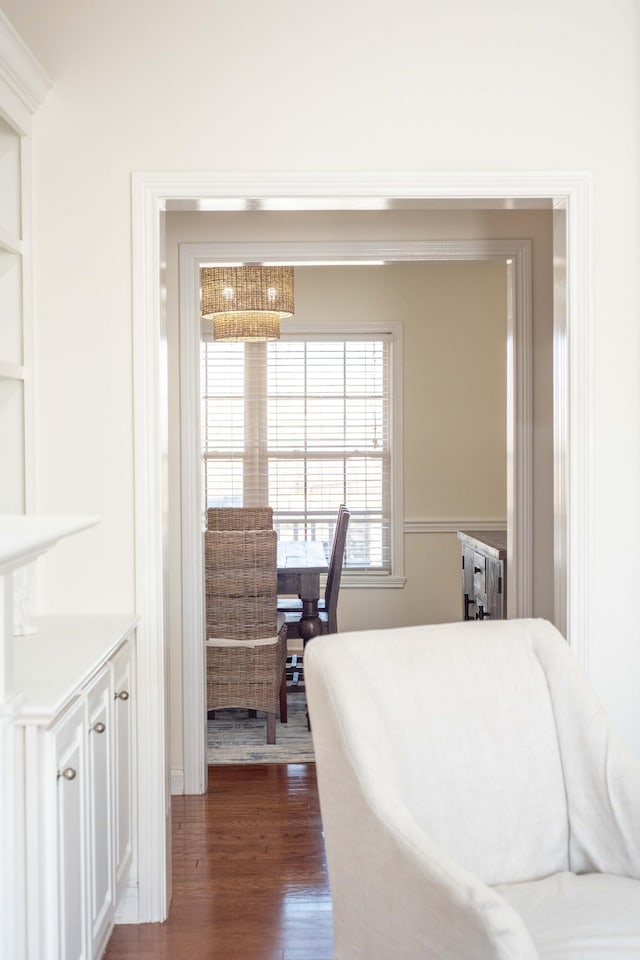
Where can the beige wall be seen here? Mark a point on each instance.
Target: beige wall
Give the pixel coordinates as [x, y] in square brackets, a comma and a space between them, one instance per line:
[454, 388]
[420, 225]
[247, 85]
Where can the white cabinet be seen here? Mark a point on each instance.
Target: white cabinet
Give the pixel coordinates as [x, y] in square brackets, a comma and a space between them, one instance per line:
[39, 680]
[100, 801]
[79, 779]
[124, 737]
[68, 744]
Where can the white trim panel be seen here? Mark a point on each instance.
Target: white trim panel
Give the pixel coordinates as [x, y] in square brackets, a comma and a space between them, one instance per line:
[194, 774]
[150, 431]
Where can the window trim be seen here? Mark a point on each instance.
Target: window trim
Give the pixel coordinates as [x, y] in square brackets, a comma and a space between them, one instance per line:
[394, 330]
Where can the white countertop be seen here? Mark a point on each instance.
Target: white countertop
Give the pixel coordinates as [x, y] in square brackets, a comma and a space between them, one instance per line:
[53, 664]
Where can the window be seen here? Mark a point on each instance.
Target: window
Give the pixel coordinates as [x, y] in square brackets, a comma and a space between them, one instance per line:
[303, 424]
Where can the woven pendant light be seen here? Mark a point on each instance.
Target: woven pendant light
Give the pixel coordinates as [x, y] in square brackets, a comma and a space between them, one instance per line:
[246, 303]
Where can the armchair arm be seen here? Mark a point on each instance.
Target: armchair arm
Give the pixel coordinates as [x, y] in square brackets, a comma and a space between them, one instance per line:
[396, 894]
[602, 776]
[603, 795]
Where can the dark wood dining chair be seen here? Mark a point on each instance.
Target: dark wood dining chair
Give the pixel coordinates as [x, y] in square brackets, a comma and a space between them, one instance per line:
[327, 607]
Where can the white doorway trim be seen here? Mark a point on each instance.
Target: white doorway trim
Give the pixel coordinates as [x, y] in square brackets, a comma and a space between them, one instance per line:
[517, 255]
[574, 465]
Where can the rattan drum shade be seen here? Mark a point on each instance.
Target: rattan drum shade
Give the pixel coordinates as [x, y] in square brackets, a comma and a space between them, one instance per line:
[246, 303]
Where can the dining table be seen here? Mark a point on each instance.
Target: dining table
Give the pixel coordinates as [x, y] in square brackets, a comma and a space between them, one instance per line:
[300, 564]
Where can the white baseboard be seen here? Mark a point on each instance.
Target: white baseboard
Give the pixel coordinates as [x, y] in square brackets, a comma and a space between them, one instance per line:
[127, 910]
[177, 781]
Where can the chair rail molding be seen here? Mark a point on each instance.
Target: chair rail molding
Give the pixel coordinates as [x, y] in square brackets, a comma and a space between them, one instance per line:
[452, 526]
[574, 466]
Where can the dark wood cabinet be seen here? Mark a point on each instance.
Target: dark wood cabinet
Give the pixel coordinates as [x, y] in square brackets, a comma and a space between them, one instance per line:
[484, 574]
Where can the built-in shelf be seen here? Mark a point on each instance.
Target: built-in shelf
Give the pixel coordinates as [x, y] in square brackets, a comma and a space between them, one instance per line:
[23, 538]
[23, 86]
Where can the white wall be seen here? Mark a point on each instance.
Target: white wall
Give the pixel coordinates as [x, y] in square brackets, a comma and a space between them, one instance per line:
[247, 85]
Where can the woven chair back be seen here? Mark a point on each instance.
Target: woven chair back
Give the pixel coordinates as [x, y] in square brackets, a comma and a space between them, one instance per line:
[241, 583]
[240, 518]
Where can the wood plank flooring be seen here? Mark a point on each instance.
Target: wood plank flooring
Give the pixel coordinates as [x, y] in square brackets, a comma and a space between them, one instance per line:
[249, 873]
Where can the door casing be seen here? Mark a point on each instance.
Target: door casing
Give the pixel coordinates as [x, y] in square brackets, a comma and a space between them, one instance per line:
[570, 194]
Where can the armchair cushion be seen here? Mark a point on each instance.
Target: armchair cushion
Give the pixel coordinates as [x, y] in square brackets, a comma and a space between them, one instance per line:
[579, 917]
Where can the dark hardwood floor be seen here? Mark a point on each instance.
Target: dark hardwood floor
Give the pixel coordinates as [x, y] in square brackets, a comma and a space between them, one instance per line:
[249, 873]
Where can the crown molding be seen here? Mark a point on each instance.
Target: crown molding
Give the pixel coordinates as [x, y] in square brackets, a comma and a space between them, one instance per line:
[19, 68]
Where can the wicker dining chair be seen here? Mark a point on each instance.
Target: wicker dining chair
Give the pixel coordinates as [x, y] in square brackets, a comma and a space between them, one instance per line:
[246, 637]
[239, 518]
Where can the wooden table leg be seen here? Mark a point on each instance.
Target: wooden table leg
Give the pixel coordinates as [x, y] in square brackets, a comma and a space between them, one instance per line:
[283, 698]
[310, 623]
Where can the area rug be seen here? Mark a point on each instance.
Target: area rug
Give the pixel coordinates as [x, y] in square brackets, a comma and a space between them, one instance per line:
[234, 737]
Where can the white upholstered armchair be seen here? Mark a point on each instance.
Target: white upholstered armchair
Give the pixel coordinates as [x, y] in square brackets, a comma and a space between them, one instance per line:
[476, 804]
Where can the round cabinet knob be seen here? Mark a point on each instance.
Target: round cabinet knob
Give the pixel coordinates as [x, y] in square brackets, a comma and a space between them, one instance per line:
[99, 727]
[122, 695]
[68, 774]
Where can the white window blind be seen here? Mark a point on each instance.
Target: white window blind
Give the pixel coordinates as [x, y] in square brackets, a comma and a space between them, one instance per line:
[303, 425]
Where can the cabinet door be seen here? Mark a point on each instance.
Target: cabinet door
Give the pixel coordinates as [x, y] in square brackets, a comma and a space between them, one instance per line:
[467, 583]
[124, 714]
[100, 795]
[494, 586]
[69, 745]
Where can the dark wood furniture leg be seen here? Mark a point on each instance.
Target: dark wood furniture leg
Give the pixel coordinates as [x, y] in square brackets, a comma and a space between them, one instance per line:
[283, 699]
[271, 728]
[310, 623]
